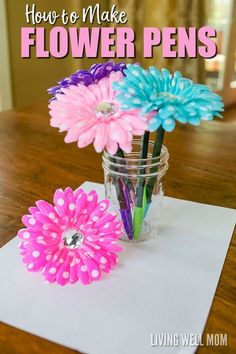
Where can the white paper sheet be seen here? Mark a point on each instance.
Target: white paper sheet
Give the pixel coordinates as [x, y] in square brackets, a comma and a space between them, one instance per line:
[161, 286]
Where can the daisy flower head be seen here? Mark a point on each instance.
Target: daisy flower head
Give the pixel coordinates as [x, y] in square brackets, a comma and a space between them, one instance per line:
[91, 114]
[87, 77]
[73, 240]
[172, 97]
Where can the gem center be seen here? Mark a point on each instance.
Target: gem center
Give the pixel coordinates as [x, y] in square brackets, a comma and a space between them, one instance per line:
[105, 108]
[72, 238]
[169, 95]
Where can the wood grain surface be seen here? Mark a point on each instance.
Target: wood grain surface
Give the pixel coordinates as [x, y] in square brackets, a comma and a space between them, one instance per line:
[34, 161]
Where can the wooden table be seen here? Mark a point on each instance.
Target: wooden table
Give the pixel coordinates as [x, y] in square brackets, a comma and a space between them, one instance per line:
[34, 161]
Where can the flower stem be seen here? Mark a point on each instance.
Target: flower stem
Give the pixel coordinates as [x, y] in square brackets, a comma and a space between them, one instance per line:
[140, 204]
[144, 148]
[141, 181]
[120, 153]
[156, 152]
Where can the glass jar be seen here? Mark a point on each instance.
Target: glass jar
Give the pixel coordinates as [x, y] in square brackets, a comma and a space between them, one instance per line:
[134, 187]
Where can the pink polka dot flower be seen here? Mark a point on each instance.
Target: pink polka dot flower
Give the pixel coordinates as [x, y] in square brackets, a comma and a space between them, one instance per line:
[91, 114]
[73, 240]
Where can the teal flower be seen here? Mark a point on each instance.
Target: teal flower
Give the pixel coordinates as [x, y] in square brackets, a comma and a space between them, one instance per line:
[173, 97]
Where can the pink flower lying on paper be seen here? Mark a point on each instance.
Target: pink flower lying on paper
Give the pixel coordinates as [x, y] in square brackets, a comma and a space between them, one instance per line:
[75, 240]
[91, 114]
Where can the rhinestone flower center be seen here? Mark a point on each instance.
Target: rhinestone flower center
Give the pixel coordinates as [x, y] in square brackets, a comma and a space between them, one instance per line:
[168, 95]
[106, 108]
[72, 238]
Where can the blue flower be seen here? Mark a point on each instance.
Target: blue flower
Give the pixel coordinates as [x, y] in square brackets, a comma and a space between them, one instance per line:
[173, 97]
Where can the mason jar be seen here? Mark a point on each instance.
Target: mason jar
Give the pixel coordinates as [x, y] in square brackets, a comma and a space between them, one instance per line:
[135, 188]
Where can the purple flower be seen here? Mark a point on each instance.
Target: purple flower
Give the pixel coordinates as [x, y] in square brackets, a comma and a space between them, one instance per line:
[87, 77]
